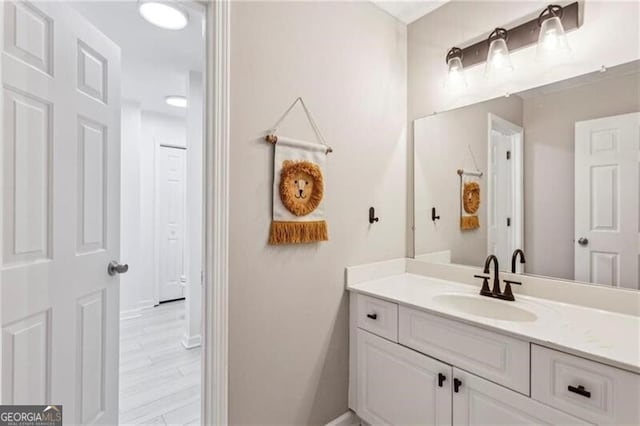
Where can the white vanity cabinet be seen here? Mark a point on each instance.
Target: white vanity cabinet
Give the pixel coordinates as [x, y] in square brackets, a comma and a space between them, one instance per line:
[399, 386]
[438, 371]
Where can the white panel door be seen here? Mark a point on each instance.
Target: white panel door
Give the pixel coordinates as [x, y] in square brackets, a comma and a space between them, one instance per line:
[172, 204]
[607, 212]
[60, 212]
[504, 189]
[501, 202]
[398, 386]
[479, 402]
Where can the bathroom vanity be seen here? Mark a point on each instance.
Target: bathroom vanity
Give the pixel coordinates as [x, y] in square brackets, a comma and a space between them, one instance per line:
[429, 351]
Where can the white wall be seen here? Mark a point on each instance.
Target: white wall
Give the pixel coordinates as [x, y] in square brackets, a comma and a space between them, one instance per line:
[142, 132]
[192, 336]
[288, 328]
[608, 36]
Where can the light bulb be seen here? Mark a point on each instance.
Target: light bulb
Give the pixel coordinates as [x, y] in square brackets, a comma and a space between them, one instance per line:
[455, 74]
[498, 58]
[552, 38]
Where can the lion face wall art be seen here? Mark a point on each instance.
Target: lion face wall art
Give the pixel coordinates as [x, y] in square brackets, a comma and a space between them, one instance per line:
[298, 193]
[301, 186]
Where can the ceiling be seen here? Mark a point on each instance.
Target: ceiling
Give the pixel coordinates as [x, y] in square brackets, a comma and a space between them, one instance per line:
[155, 62]
[409, 11]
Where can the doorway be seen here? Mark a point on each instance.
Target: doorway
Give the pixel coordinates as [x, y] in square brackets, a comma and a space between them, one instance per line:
[505, 187]
[84, 194]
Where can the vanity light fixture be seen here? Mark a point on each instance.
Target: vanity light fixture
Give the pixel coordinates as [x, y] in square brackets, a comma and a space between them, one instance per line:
[455, 70]
[176, 101]
[166, 14]
[552, 38]
[498, 58]
[547, 29]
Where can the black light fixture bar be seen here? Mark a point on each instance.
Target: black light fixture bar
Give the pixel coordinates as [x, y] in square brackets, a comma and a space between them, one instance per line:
[521, 36]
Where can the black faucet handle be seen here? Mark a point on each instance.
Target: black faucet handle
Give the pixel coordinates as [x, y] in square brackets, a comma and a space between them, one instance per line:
[485, 285]
[508, 294]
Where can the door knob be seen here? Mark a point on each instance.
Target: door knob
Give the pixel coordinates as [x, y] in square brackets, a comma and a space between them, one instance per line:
[117, 268]
[583, 241]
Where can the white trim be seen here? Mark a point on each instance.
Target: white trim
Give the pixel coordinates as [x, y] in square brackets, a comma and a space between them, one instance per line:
[216, 201]
[347, 419]
[190, 342]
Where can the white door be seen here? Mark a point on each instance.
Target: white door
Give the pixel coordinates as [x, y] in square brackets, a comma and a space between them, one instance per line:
[398, 386]
[60, 212]
[479, 402]
[607, 241]
[504, 189]
[172, 205]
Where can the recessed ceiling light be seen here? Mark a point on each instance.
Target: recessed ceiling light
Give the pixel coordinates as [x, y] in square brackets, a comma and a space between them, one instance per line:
[164, 14]
[176, 101]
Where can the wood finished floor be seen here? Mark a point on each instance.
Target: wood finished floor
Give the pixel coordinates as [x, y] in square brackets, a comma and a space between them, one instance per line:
[159, 378]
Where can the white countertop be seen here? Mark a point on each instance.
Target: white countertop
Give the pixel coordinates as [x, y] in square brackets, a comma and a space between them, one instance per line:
[603, 336]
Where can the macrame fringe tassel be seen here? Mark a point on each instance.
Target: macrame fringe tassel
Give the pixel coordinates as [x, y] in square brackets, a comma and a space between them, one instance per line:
[469, 222]
[298, 232]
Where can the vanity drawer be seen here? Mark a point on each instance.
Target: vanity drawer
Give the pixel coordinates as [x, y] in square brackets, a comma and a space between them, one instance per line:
[599, 393]
[377, 316]
[501, 359]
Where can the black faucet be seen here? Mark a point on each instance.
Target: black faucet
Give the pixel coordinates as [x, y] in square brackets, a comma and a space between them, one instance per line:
[514, 257]
[495, 291]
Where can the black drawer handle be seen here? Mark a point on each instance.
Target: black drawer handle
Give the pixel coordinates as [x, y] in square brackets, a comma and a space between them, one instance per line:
[372, 316]
[456, 385]
[580, 390]
[441, 379]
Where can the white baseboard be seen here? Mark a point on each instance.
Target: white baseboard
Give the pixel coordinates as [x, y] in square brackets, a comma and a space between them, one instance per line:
[190, 342]
[347, 419]
[146, 304]
[130, 314]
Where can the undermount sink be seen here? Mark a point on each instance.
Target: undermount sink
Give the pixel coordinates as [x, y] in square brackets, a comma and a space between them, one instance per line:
[483, 306]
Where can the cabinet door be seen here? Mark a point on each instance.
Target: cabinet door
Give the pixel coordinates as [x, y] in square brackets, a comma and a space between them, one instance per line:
[397, 386]
[480, 402]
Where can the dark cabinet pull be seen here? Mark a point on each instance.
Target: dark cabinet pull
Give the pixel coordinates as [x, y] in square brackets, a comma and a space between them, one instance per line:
[441, 379]
[580, 390]
[456, 385]
[372, 316]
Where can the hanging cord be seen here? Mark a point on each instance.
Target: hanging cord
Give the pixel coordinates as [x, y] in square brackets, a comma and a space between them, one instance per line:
[273, 138]
[477, 173]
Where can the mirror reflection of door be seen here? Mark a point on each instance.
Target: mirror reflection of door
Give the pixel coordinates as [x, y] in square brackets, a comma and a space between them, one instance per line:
[504, 189]
[607, 246]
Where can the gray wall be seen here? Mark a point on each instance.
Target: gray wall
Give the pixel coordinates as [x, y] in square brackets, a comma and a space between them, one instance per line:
[288, 359]
[549, 165]
[441, 148]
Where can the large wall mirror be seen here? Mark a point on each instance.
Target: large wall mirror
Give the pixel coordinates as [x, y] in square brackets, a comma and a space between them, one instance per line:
[553, 171]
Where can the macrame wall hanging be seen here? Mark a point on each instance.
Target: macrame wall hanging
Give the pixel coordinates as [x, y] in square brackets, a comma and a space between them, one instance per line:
[298, 185]
[470, 196]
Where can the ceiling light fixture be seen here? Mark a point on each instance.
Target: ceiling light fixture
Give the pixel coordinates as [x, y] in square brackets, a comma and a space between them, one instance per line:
[498, 58]
[552, 38]
[176, 101]
[455, 70]
[164, 14]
